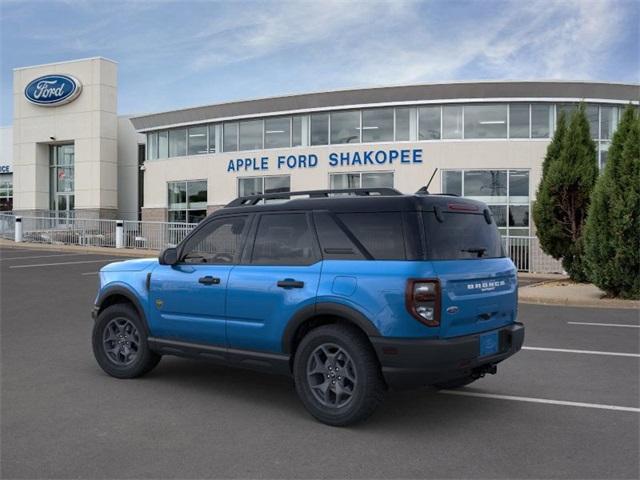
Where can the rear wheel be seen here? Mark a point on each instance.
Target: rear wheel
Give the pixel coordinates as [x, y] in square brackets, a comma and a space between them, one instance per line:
[120, 343]
[337, 375]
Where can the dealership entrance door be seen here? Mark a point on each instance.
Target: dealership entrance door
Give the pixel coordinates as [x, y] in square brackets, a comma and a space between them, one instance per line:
[61, 180]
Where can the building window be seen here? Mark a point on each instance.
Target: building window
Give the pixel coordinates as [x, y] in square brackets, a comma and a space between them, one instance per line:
[506, 192]
[187, 201]
[452, 121]
[338, 181]
[178, 142]
[429, 123]
[403, 124]
[6, 192]
[277, 132]
[152, 146]
[212, 138]
[197, 140]
[541, 120]
[519, 120]
[345, 127]
[163, 144]
[296, 131]
[248, 186]
[485, 121]
[320, 129]
[230, 137]
[608, 122]
[62, 175]
[377, 125]
[251, 135]
[592, 113]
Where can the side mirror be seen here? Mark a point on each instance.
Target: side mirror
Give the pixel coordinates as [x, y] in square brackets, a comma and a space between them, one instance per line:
[169, 256]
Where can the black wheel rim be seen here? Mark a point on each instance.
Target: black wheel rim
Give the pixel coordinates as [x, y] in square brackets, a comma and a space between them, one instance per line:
[331, 375]
[121, 341]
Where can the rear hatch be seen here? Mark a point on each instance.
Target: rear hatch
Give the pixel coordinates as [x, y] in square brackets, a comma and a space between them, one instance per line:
[478, 283]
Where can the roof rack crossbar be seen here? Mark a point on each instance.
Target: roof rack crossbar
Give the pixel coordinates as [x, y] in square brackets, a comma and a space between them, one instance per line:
[361, 192]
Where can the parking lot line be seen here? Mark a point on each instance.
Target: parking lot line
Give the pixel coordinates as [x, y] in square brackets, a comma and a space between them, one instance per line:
[41, 256]
[588, 352]
[604, 324]
[90, 273]
[540, 400]
[106, 260]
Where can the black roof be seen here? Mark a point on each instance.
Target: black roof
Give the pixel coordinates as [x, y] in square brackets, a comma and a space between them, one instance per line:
[374, 203]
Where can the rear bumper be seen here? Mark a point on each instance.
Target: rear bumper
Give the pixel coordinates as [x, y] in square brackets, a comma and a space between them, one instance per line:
[410, 363]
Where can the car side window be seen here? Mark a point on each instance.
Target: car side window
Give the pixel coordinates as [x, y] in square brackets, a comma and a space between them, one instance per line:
[380, 233]
[284, 239]
[334, 242]
[219, 242]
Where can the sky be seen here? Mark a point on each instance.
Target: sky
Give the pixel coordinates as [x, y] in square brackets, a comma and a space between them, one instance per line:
[176, 54]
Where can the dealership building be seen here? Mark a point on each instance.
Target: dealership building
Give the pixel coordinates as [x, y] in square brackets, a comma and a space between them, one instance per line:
[70, 152]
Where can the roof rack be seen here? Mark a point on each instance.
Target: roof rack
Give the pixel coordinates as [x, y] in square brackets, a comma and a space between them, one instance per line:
[360, 192]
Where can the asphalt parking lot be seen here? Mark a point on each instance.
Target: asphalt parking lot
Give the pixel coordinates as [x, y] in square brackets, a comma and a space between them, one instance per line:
[565, 407]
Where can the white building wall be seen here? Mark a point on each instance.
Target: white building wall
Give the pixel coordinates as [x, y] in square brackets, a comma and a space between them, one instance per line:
[90, 122]
[128, 169]
[6, 148]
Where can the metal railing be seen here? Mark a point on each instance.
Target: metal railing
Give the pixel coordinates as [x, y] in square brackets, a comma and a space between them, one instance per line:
[7, 226]
[526, 254]
[69, 231]
[154, 235]
[524, 251]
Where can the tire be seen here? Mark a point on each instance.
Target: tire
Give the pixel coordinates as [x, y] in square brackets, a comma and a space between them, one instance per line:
[358, 388]
[130, 356]
[456, 383]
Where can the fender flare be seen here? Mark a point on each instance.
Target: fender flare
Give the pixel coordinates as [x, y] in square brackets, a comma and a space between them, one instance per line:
[326, 308]
[128, 294]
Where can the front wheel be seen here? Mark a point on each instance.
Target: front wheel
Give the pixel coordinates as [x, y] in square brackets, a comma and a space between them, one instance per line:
[120, 343]
[337, 375]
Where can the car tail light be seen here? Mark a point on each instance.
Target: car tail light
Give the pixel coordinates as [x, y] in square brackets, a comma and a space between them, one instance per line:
[423, 301]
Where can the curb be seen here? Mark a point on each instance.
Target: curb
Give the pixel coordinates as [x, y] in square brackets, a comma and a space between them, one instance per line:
[567, 302]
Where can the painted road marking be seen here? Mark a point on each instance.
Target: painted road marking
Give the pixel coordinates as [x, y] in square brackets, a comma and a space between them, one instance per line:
[541, 400]
[604, 324]
[106, 260]
[41, 256]
[588, 352]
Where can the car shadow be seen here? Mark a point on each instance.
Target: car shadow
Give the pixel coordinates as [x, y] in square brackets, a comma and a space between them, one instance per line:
[401, 410]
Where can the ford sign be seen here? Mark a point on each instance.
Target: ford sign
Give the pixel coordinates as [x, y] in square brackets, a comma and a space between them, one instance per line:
[53, 90]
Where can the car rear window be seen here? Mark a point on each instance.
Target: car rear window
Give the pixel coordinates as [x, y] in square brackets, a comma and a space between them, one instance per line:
[461, 235]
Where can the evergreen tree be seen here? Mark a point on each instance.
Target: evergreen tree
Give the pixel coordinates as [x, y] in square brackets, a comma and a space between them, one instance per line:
[563, 197]
[612, 233]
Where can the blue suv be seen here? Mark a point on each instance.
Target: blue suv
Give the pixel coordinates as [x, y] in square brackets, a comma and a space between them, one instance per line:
[350, 292]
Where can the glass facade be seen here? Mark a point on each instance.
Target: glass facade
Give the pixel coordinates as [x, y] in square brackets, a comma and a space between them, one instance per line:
[6, 192]
[187, 201]
[507, 192]
[61, 179]
[385, 124]
[261, 185]
[360, 180]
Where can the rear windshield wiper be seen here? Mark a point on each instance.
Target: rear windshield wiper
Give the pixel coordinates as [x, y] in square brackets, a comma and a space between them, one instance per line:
[479, 251]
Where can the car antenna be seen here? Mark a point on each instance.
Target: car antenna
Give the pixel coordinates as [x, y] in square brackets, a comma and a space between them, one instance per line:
[425, 190]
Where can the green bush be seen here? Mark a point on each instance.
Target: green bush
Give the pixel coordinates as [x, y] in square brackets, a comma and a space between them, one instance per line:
[569, 174]
[612, 233]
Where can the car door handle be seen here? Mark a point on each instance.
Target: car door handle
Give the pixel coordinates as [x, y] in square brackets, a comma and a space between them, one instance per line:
[290, 283]
[209, 280]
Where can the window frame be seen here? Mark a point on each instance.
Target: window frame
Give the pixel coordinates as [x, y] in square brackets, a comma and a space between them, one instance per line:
[204, 226]
[186, 210]
[262, 182]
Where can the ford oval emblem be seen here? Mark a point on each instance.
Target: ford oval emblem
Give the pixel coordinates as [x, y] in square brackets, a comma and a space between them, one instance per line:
[452, 310]
[53, 90]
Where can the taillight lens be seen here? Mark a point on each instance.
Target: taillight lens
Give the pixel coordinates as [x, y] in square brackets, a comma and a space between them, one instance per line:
[423, 301]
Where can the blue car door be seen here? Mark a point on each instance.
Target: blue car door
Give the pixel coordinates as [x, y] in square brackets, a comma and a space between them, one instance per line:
[187, 300]
[278, 276]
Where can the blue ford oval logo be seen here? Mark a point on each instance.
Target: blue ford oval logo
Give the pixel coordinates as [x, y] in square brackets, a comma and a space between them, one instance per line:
[52, 90]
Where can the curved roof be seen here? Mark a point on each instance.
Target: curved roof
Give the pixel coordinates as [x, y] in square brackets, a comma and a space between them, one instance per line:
[410, 94]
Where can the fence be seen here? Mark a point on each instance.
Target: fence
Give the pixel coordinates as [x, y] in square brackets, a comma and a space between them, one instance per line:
[524, 251]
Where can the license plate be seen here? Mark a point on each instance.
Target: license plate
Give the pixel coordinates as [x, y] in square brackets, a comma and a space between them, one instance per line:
[489, 344]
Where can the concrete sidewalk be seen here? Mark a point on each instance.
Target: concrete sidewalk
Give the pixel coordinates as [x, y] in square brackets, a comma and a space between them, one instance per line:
[538, 288]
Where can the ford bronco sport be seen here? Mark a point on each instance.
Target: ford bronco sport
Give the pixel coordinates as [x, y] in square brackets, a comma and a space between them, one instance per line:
[350, 292]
